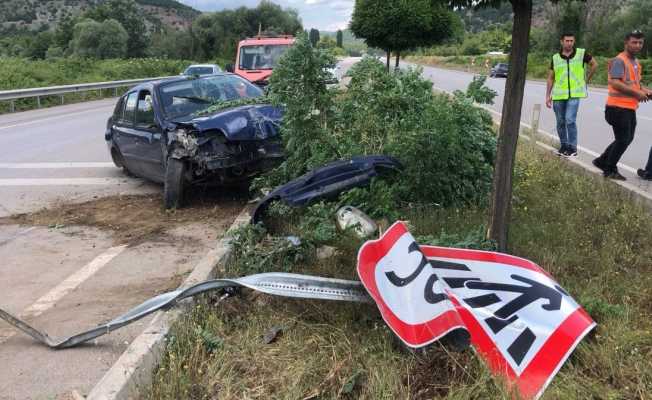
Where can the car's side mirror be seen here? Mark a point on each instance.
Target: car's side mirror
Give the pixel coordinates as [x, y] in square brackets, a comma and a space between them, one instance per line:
[229, 68]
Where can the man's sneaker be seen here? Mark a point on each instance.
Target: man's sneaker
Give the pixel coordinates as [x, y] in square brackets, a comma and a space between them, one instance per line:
[599, 164]
[561, 151]
[571, 153]
[645, 175]
[615, 175]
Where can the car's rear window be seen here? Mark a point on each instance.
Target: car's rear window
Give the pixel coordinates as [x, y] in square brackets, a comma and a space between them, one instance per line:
[190, 96]
[199, 71]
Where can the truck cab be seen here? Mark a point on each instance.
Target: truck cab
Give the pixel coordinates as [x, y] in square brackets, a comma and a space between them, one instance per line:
[256, 57]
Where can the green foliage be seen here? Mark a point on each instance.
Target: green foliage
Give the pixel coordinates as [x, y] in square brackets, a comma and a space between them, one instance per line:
[211, 342]
[107, 39]
[446, 144]
[317, 224]
[254, 251]
[298, 84]
[20, 73]
[170, 43]
[216, 35]
[497, 38]
[130, 17]
[478, 92]
[401, 25]
[314, 37]
[473, 239]
[339, 39]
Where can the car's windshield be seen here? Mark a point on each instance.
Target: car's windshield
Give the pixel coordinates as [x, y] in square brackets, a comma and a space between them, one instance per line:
[261, 56]
[193, 95]
[199, 71]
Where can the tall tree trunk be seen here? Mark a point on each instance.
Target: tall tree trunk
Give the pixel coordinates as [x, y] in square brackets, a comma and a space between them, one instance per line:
[389, 55]
[398, 56]
[509, 125]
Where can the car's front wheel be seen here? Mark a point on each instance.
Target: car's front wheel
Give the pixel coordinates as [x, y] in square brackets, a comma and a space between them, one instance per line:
[174, 183]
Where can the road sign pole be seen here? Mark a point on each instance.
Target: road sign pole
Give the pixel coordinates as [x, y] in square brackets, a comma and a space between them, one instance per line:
[536, 115]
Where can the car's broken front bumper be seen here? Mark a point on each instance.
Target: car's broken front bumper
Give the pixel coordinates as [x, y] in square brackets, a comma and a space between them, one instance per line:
[247, 153]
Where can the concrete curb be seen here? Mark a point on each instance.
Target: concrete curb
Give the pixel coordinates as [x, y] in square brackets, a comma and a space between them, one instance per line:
[134, 368]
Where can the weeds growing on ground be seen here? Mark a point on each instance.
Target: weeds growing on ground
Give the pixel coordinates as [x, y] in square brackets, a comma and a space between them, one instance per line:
[582, 230]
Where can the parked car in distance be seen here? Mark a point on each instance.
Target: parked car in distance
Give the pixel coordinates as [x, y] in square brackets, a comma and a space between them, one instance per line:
[499, 69]
[202, 70]
[332, 73]
[188, 130]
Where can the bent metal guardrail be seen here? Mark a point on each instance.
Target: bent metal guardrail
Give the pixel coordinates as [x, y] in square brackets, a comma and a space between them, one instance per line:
[13, 95]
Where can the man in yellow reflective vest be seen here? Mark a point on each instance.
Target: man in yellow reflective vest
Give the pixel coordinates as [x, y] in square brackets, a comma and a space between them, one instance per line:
[567, 84]
[625, 94]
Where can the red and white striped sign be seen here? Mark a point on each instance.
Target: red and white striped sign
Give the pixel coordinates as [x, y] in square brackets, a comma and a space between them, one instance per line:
[520, 320]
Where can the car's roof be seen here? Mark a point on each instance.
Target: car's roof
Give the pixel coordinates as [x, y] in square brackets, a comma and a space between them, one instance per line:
[203, 65]
[153, 84]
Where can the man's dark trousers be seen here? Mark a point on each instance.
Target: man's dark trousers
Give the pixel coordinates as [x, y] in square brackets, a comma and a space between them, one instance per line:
[623, 122]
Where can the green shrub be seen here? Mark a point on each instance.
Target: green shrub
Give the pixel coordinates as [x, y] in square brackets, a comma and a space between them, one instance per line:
[446, 144]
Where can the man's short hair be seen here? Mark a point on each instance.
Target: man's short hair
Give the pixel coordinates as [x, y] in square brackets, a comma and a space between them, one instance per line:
[636, 34]
[566, 34]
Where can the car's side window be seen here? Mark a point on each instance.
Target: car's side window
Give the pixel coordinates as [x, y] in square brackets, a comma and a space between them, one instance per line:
[130, 109]
[117, 112]
[144, 110]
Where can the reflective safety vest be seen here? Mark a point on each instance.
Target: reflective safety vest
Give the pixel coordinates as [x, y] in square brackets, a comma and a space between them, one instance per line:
[569, 77]
[632, 78]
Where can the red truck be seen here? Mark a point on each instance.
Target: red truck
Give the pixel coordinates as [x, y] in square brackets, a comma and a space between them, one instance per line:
[257, 57]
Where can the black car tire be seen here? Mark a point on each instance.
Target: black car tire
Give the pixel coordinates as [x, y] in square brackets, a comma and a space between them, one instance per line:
[119, 161]
[174, 183]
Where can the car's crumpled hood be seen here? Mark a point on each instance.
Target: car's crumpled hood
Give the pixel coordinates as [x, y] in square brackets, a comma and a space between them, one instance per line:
[248, 122]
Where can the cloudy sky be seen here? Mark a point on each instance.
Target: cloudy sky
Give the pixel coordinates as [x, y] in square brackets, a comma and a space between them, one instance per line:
[326, 15]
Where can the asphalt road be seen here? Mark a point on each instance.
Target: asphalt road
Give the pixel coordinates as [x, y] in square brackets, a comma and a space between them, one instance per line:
[64, 279]
[58, 155]
[594, 133]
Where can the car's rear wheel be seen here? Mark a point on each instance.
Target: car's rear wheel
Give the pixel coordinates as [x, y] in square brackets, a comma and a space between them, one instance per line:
[174, 183]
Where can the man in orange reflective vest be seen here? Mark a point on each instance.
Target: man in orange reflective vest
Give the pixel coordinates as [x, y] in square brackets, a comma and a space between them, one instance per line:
[625, 94]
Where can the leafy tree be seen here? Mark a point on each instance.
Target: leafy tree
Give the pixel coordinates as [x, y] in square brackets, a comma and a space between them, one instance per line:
[339, 38]
[500, 211]
[314, 37]
[170, 43]
[94, 39]
[38, 45]
[401, 25]
[64, 32]
[216, 35]
[126, 12]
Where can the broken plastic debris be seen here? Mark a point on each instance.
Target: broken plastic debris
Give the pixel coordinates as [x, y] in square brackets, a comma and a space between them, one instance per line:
[351, 217]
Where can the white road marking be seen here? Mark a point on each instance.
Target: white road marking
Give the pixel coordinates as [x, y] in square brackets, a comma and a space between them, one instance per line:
[56, 165]
[69, 284]
[62, 181]
[36, 121]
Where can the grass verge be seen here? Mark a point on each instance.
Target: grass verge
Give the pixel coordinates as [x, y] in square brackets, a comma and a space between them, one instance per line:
[582, 230]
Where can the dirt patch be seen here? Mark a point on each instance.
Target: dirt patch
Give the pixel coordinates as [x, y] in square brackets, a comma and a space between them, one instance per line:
[135, 219]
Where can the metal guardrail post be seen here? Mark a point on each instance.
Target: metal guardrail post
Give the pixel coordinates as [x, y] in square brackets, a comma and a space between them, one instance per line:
[38, 101]
[61, 99]
[12, 106]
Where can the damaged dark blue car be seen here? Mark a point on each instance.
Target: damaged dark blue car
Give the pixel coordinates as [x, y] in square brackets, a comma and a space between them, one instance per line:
[190, 130]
